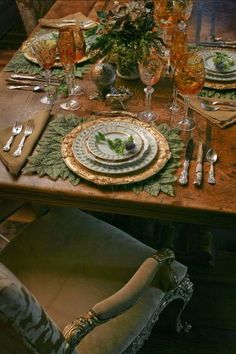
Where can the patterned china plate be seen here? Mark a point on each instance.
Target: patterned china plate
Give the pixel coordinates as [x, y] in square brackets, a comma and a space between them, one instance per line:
[138, 161]
[162, 157]
[27, 51]
[113, 131]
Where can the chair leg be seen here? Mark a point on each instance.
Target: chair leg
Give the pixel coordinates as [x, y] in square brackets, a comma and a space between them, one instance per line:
[182, 292]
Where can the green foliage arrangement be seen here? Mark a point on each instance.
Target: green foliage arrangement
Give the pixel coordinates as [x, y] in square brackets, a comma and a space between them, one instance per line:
[127, 30]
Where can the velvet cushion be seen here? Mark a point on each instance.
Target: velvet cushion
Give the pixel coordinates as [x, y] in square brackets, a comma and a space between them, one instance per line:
[71, 260]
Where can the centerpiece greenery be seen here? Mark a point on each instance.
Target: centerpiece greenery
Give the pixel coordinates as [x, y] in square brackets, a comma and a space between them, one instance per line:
[127, 32]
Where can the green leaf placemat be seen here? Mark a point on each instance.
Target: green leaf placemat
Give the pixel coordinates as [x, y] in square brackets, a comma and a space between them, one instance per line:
[211, 93]
[47, 158]
[19, 64]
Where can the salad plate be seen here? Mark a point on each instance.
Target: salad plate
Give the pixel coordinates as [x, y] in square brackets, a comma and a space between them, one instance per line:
[209, 56]
[113, 132]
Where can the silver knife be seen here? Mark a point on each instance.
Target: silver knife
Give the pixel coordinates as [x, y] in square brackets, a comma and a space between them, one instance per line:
[31, 77]
[183, 179]
[198, 177]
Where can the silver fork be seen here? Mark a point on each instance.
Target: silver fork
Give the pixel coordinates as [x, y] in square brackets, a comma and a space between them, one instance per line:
[17, 127]
[28, 131]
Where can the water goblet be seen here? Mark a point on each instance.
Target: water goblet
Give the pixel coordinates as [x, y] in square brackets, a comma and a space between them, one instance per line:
[150, 70]
[178, 48]
[80, 48]
[44, 50]
[189, 79]
[67, 54]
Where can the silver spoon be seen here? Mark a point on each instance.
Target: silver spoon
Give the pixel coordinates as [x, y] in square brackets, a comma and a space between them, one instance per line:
[224, 103]
[211, 157]
[216, 108]
[26, 87]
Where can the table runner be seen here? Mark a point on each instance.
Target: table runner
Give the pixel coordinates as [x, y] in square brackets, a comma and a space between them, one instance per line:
[54, 167]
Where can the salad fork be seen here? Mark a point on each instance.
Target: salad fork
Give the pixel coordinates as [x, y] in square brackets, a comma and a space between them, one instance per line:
[28, 131]
[17, 127]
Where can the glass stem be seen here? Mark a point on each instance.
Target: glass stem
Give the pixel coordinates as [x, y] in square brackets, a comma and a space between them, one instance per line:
[47, 75]
[70, 82]
[148, 91]
[186, 104]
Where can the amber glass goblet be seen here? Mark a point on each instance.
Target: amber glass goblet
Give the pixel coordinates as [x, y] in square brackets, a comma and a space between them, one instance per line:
[67, 54]
[44, 50]
[189, 79]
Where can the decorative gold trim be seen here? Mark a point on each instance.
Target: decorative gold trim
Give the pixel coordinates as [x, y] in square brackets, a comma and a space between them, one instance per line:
[155, 166]
[220, 86]
[80, 327]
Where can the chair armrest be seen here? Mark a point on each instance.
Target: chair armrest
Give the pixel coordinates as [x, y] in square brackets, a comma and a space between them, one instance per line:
[120, 301]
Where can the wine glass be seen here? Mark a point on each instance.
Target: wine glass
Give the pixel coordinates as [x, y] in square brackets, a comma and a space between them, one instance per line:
[80, 48]
[178, 48]
[150, 72]
[165, 14]
[67, 54]
[44, 50]
[189, 79]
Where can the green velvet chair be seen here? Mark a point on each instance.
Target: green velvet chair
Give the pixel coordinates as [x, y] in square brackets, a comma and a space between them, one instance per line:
[71, 283]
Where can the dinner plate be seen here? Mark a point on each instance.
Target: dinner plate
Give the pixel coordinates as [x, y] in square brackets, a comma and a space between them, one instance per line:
[102, 150]
[208, 56]
[136, 162]
[28, 53]
[162, 157]
[216, 77]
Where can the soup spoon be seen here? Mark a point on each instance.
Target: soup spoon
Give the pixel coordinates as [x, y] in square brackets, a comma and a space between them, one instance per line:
[207, 107]
[211, 157]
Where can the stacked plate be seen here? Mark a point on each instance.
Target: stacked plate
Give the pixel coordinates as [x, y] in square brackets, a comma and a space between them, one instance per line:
[98, 156]
[214, 74]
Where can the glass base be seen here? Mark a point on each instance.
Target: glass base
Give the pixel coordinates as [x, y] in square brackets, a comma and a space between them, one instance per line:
[186, 124]
[78, 90]
[46, 100]
[175, 108]
[71, 105]
[148, 116]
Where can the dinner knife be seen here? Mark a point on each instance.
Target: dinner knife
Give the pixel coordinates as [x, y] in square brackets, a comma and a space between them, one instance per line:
[198, 177]
[183, 179]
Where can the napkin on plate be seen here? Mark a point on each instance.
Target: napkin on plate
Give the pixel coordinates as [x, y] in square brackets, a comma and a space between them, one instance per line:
[80, 19]
[14, 164]
[221, 118]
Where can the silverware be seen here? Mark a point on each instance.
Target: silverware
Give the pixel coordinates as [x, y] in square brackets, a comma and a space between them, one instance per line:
[198, 177]
[183, 179]
[211, 157]
[218, 44]
[224, 103]
[17, 127]
[36, 88]
[28, 131]
[207, 107]
[32, 77]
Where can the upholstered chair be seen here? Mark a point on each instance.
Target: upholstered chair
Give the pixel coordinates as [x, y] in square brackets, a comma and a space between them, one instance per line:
[71, 283]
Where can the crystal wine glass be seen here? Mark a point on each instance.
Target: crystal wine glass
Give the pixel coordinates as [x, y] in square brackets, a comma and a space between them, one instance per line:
[178, 48]
[150, 72]
[189, 79]
[165, 14]
[80, 48]
[67, 54]
[44, 50]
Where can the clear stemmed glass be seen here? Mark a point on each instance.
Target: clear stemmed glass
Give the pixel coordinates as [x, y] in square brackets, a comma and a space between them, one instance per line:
[80, 48]
[178, 48]
[189, 79]
[44, 50]
[150, 72]
[67, 53]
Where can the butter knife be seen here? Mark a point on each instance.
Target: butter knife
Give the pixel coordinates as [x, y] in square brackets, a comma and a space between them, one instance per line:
[183, 179]
[198, 177]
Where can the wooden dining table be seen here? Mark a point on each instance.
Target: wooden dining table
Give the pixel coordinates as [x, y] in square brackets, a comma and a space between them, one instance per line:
[212, 205]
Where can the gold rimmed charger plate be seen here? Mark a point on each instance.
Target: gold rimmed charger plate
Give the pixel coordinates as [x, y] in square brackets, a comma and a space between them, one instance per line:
[27, 52]
[163, 155]
[220, 85]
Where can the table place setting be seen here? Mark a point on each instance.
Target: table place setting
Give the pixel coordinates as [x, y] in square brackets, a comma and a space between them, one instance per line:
[18, 141]
[76, 149]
